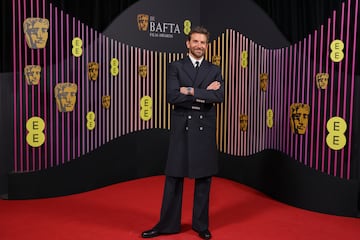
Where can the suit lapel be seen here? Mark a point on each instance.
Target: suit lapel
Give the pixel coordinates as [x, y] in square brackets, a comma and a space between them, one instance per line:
[202, 72]
[189, 69]
[196, 76]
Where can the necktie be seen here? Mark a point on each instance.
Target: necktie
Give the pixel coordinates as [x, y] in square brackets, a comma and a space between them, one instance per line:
[197, 65]
[196, 68]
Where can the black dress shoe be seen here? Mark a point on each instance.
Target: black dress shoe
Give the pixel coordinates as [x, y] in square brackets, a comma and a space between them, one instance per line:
[205, 234]
[150, 233]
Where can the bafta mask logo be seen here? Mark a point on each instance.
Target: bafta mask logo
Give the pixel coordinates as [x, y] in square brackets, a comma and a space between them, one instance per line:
[143, 71]
[93, 70]
[36, 32]
[216, 59]
[263, 81]
[299, 116]
[105, 100]
[65, 94]
[32, 74]
[243, 122]
[143, 22]
[322, 80]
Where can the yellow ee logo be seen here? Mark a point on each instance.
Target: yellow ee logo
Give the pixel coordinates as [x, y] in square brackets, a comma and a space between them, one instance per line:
[337, 53]
[114, 67]
[146, 108]
[336, 127]
[77, 47]
[187, 27]
[90, 117]
[244, 59]
[269, 118]
[35, 136]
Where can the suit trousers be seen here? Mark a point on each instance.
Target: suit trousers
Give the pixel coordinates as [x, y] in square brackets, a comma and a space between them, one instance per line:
[170, 215]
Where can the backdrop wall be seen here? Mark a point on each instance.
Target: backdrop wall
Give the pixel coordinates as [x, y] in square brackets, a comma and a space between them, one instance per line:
[79, 136]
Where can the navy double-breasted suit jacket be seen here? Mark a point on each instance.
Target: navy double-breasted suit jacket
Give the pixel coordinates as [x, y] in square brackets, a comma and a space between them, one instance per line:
[192, 146]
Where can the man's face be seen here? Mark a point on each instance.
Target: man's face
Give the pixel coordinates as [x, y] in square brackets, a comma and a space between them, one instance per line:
[300, 118]
[37, 33]
[197, 45]
[93, 69]
[32, 74]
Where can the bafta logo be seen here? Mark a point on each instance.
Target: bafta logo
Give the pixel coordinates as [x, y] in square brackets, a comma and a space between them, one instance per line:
[216, 59]
[105, 100]
[299, 117]
[65, 94]
[322, 80]
[32, 74]
[93, 70]
[143, 22]
[243, 122]
[264, 77]
[36, 32]
[143, 71]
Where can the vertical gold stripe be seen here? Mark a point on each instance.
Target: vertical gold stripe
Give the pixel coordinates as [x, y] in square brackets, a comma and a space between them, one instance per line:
[160, 90]
[156, 97]
[163, 78]
[225, 50]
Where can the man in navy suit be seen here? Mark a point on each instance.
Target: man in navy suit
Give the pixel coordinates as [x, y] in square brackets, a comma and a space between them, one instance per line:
[194, 85]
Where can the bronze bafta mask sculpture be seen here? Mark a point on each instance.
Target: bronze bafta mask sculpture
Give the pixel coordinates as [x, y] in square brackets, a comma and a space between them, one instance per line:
[216, 59]
[322, 80]
[142, 71]
[106, 100]
[32, 74]
[143, 22]
[243, 122]
[299, 116]
[65, 94]
[264, 77]
[93, 70]
[36, 32]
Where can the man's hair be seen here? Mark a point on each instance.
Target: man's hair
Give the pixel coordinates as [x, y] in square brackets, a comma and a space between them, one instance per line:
[199, 29]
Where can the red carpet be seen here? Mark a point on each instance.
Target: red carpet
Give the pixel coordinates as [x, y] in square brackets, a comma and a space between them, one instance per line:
[122, 211]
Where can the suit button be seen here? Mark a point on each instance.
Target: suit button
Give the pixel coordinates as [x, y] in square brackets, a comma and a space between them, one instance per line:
[189, 117]
[200, 128]
[201, 116]
[186, 128]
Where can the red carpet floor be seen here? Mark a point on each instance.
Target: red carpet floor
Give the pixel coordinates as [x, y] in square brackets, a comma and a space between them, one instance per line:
[122, 211]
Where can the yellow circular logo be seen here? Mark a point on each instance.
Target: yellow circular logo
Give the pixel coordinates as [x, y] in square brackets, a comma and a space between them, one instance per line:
[35, 136]
[336, 127]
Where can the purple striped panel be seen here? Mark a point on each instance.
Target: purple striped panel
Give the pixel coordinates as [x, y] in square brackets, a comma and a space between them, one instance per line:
[331, 78]
[345, 87]
[309, 78]
[237, 103]
[111, 91]
[27, 163]
[326, 106]
[352, 84]
[14, 46]
[340, 84]
[44, 115]
[230, 128]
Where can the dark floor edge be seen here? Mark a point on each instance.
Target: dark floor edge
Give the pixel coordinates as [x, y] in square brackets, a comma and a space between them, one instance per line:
[143, 154]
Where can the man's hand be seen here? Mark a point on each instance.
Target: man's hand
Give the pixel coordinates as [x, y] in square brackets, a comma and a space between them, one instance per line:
[215, 85]
[187, 91]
